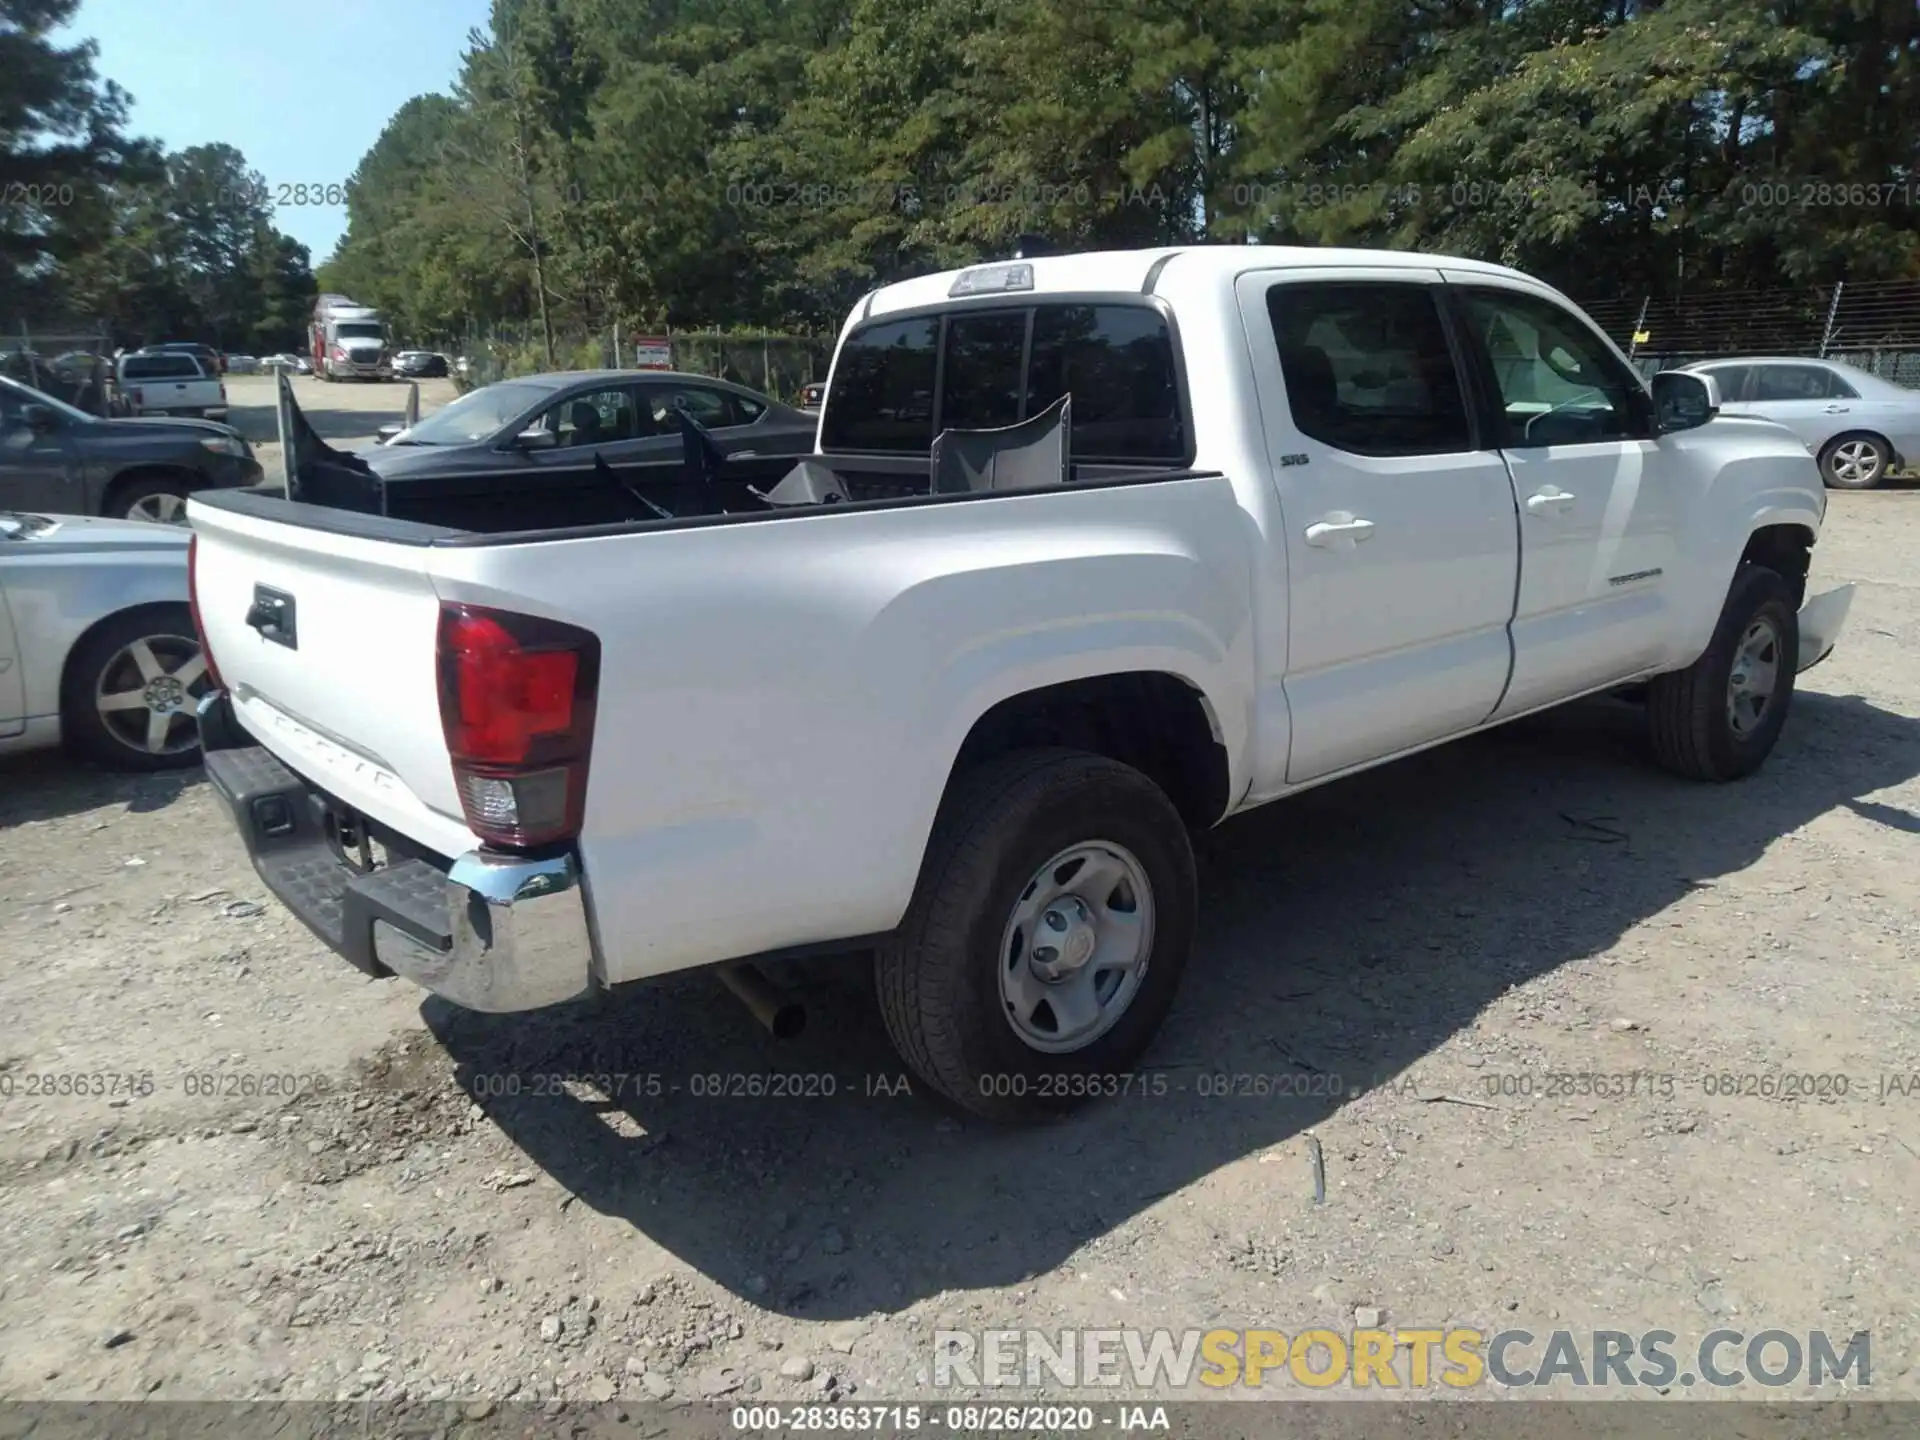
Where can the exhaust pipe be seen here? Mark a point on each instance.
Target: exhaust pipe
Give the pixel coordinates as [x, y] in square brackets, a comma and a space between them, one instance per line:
[784, 1016]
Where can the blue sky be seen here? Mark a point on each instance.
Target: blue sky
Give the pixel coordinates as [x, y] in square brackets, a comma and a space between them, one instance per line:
[302, 87]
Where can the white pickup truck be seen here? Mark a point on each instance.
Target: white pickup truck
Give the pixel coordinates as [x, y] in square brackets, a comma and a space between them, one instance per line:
[171, 382]
[1321, 509]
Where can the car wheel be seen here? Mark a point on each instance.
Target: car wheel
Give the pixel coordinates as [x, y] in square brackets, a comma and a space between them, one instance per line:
[1855, 461]
[1718, 719]
[131, 688]
[160, 500]
[1047, 935]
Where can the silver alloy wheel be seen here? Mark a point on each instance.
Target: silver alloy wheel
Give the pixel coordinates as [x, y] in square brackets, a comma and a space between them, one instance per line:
[145, 694]
[162, 509]
[1074, 952]
[1755, 674]
[1857, 462]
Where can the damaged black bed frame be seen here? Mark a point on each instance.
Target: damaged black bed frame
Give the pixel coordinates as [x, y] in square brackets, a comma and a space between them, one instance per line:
[705, 481]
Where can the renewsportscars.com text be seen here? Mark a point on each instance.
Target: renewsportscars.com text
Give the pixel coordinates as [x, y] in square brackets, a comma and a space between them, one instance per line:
[1403, 1357]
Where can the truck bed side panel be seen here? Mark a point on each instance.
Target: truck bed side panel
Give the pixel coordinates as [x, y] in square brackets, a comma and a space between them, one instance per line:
[781, 703]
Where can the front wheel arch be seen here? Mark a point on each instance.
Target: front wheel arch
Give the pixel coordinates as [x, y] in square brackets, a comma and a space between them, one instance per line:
[1785, 549]
[126, 486]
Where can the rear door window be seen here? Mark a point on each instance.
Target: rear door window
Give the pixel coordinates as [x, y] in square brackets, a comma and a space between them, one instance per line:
[710, 406]
[1792, 382]
[1368, 368]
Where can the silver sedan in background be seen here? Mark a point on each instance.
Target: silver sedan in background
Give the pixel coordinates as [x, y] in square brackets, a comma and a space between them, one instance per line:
[1858, 425]
[97, 645]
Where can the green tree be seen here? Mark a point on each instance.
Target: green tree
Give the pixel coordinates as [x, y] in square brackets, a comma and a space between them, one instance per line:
[62, 144]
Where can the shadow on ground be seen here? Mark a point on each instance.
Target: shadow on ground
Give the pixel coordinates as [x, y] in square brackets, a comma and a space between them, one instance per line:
[53, 784]
[1345, 933]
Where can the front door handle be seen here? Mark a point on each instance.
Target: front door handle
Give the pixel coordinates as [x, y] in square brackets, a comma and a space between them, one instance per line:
[1549, 501]
[1838, 409]
[1339, 531]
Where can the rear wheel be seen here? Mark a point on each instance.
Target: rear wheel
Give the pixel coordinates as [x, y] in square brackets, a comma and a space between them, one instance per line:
[1046, 938]
[131, 688]
[1855, 462]
[1719, 718]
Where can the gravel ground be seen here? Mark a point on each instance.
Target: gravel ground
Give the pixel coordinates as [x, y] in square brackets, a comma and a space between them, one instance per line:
[346, 414]
[415, 1210]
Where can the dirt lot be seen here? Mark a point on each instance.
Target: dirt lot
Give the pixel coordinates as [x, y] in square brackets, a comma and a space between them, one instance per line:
[1428, 942]
[346, 414]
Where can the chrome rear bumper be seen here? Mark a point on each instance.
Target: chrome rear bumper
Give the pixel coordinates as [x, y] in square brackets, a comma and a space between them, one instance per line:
[519, 937]
[488, 932]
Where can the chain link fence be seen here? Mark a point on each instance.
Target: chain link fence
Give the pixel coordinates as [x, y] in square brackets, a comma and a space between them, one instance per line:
[776, 365]
[1873, 325]
[71, 364]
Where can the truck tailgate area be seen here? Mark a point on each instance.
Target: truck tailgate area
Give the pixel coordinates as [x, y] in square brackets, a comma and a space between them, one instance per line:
[326, 643]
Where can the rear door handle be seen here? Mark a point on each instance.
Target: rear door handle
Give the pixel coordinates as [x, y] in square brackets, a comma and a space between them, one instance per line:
[1339, 531]
[1838, 409]
[1549, 501]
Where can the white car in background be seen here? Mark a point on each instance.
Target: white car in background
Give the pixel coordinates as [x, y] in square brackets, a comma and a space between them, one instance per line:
[1859, 425]
[97, 648]
[242, 364]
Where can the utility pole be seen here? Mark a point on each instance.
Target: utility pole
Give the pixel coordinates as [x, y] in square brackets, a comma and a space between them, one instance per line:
[1833, 311]
[1639, 326]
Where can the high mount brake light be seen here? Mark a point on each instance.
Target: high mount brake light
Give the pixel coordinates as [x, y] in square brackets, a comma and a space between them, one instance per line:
[517, 699]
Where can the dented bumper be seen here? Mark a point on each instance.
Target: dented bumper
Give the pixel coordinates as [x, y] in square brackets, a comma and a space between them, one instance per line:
[1821, 621]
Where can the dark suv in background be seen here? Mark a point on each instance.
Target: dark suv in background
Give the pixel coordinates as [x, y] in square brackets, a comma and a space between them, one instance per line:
[56, 460]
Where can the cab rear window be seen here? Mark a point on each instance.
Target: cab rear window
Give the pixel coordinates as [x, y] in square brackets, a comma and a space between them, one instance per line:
[882, 396]
[160, 367]
[898, 383]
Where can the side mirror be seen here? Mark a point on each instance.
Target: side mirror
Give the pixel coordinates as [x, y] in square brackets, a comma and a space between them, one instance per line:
[37, 417]
[1683, 400]
[535, 439]
[385, 434]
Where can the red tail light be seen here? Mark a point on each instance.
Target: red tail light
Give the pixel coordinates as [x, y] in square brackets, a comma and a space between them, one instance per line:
[516, 705]
[193, 607]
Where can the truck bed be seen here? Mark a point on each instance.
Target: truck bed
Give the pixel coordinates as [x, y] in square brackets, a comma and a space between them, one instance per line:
[781, 694]
[508, 505]
[507, 501]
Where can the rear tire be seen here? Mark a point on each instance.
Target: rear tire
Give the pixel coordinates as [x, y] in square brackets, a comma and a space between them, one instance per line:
[128, 696]
[1855, 461]
[1718, 719]
[960, 982]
